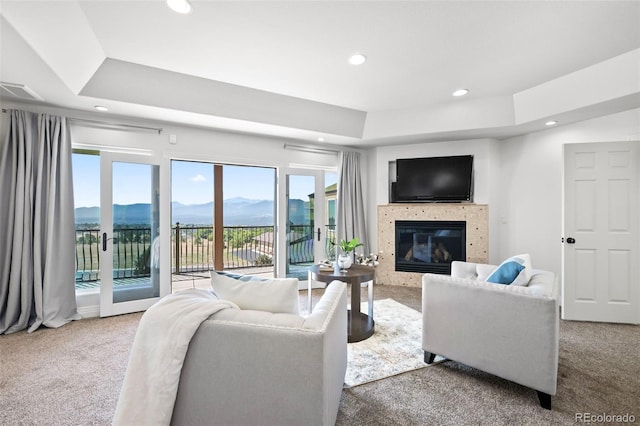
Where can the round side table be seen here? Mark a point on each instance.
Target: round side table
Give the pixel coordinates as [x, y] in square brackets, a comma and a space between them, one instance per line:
[360, 325]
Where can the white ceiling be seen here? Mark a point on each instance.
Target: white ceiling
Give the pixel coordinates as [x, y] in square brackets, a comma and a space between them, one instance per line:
[280, 68]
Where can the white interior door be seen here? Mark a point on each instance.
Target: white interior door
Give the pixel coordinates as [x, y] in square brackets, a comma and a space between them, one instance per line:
[601, 232]
[130, 267]
[301, 217]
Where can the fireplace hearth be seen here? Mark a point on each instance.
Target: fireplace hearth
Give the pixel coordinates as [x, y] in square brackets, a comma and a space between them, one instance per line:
[429, 246]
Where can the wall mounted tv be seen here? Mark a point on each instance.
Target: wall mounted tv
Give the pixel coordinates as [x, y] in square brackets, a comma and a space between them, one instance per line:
[434, 179]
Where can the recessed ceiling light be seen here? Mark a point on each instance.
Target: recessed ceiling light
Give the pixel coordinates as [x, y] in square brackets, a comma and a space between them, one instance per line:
[357, 59]
[180, 6]
[101, 108]
[551, 123]
[460, 92]
[320, 139]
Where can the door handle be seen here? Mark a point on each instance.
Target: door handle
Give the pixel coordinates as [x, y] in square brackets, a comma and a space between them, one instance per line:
[571, 240]
[318, 234]
[104, 241]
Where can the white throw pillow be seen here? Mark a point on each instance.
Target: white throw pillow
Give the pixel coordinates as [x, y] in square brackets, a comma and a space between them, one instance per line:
[277, 295]
[483, 271]
[505, 273]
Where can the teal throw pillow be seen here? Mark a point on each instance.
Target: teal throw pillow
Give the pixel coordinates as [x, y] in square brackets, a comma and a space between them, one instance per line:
[506, 273]
[516, 270]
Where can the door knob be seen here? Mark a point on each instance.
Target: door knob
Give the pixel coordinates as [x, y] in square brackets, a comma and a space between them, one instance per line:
[571, 240]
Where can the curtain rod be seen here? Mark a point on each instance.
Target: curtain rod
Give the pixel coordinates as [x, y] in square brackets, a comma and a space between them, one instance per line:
[310, 149]
[106, 123]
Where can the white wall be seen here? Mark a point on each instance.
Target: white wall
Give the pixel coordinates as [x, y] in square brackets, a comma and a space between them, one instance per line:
[485, 165]
[192, 142]
[520, 178]
[530, 190]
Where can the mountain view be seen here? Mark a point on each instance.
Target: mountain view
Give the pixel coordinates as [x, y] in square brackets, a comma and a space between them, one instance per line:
[237, 212]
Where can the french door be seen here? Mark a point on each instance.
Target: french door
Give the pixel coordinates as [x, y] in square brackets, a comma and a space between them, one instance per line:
[303, 242]
[130, 267]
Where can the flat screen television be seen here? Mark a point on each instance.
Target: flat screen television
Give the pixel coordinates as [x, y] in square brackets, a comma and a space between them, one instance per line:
[434, 179]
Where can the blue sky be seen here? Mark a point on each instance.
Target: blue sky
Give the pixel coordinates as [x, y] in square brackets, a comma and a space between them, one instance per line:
[191, 182]
[86, 180]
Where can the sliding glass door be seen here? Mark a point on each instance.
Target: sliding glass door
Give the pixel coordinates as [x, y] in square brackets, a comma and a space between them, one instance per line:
[130, 233]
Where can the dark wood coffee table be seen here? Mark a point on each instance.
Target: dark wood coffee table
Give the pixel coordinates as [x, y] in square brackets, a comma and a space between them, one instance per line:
[360, 325]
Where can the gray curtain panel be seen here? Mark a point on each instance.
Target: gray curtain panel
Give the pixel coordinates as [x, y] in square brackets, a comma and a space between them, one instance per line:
[350, 206]
[37, 237]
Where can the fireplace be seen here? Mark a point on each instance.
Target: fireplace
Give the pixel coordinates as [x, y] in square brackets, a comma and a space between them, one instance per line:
[429, 246]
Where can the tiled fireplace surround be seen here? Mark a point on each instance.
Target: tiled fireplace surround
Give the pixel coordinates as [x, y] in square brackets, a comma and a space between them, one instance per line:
[477, 234]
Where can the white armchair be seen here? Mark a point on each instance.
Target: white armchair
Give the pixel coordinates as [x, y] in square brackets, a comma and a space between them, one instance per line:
[248, 367]
[509, 331]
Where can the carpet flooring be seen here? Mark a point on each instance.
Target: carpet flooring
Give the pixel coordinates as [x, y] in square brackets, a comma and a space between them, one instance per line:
[72, 376]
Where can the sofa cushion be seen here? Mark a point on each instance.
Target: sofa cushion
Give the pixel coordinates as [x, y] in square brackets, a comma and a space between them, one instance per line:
[256, 293]
[516, 270]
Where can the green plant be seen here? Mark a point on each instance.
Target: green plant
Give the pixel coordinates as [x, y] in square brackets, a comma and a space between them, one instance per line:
[349, 246]
[263, 260]
[142, 264]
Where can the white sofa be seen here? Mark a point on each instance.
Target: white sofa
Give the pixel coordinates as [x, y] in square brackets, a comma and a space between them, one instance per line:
[247, 367]
[506, 330]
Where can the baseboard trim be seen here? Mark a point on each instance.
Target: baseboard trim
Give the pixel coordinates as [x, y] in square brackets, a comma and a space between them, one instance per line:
[89, 311]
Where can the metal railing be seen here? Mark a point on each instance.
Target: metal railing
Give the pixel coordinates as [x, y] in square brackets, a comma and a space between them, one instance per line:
[300, 238]
[301, 243]
[244, 247]
[88, 242]
[192, 249]
[131, 253]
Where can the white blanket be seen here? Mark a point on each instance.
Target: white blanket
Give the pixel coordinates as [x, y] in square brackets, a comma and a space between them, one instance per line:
[151, 382]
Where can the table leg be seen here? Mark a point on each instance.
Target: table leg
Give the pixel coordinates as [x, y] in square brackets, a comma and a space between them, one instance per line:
[370, 298]
[355, 308]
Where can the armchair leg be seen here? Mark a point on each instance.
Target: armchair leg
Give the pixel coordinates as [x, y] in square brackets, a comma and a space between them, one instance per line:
[545, 400]
[429, 357]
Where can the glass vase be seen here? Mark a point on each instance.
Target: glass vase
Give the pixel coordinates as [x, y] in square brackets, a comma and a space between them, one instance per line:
[344, 262]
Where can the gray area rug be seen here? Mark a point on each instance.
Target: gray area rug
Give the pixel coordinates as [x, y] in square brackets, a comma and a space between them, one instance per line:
[394, 348]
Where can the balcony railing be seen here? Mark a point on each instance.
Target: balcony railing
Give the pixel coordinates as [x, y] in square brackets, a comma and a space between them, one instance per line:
[88, 243]
[131, 253]
[244, 247]
[192, 249]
